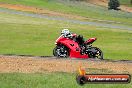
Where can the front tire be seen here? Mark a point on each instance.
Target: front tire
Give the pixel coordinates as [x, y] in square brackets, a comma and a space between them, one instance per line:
[61, 51]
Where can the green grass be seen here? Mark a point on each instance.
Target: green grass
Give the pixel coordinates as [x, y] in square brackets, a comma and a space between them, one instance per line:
[125, 2]
[34, 36]
[48, 80]
[82, 9]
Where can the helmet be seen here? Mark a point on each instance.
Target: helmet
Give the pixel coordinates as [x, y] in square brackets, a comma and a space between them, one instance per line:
[65, 32]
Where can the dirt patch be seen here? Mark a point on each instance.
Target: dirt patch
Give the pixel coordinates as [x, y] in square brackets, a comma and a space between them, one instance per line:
[125, 8]
[98, 2]
[34, 64]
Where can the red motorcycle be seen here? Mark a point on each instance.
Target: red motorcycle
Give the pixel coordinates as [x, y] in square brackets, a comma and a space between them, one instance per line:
[73, 46]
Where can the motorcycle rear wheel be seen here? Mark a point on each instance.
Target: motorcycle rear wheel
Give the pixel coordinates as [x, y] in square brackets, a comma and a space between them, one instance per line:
[61, 51]
[98, 54]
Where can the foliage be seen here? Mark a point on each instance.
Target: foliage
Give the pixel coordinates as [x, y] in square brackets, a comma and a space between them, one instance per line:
[113, 4]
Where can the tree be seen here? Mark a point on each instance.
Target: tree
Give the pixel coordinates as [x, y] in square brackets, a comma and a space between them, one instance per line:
[113, 4]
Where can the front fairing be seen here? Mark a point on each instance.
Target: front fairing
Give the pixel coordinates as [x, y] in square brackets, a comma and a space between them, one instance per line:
[58, 39]
[71, 44]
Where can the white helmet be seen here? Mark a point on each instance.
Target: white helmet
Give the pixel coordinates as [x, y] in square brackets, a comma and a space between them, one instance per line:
[65, 32]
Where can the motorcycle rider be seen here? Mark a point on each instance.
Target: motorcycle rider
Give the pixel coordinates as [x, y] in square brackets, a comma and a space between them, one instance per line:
[79, 39]
[66, 33]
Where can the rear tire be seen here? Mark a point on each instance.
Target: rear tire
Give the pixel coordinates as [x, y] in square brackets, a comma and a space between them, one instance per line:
[61, 51]
[99, 54]
[96, 53]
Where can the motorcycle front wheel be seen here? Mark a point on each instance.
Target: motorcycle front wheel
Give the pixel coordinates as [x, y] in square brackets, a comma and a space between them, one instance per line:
[61, 51]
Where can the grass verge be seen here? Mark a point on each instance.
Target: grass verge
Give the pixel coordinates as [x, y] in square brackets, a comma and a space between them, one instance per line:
[126, 2]
[48, 80]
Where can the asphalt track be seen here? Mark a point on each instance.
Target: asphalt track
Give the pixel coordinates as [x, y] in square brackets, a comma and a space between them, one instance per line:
[65, 19]
[74, 59]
